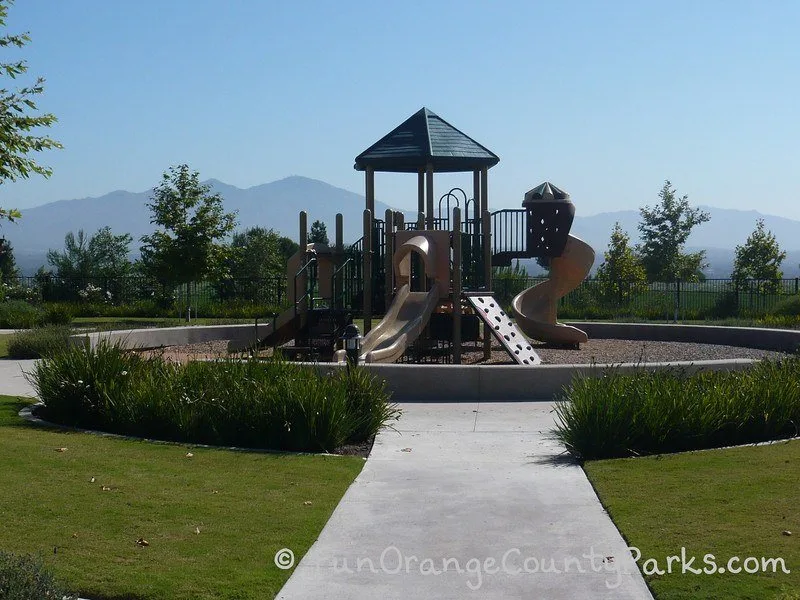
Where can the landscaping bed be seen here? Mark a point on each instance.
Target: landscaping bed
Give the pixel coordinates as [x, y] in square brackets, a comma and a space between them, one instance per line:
[269, 404]
[651, 412]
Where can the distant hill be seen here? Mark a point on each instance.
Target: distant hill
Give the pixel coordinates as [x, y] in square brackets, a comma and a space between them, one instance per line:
[277, 205]
[274, 205]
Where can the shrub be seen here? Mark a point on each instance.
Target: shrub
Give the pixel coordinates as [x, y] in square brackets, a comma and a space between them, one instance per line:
[25, 578]
[788, 307]
[672, 411]
[57, 314]
[249, 403]
[18, 314]
[725, 306]
[39, 342]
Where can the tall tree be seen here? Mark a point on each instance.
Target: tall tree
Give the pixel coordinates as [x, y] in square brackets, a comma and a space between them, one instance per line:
[18, 119]
[318, 233]
[256, 254]
[759, 259]
[192, 224]
[8, 266]
[287, 247]
[664, 230]
[621, 276]
[103, 255]
[255, 267]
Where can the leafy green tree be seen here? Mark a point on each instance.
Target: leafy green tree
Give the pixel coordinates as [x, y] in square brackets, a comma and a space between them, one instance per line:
[18, 119]
[192, 224]
[759, 259]
[287, 247]
[256, 254]
[89, 268]
[318, 233]
[621, 276]
[664, 230]
[8, 266]
[255, 267]
[103, 255]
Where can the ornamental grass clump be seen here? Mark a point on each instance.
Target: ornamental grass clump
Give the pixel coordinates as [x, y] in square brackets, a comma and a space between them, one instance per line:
[248, 403]
[39, 341]
[26, 578]
[652, 412]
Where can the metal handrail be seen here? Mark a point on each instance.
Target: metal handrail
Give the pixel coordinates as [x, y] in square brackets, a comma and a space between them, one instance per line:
[309, 286]
[509, 228]
[336, 272]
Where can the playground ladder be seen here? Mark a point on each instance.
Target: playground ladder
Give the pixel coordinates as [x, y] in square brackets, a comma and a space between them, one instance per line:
[505, 331]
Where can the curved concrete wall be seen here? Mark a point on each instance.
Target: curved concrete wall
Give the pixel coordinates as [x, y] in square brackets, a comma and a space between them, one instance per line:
[454, 383]
[471, 383]
[173, 336]
[784, 340]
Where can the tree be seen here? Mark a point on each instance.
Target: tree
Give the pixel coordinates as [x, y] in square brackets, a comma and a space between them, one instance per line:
[18, 119]
[759, 258]
[8, 266]
[318, 234]
[664, 230]
[103, 255]
[621, 276]
[92, 268]
[255, 267]
[187, 246]
[256, 254]
[287, 247]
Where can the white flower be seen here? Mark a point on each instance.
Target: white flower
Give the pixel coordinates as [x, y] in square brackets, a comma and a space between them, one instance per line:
[80, 380]
[124, 373]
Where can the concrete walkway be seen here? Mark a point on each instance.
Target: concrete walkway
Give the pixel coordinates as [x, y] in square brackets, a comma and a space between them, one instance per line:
[463, 500]
[12, 380]
[468, 500]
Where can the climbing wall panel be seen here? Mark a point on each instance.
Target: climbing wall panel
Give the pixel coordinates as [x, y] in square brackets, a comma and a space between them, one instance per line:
[504, 330]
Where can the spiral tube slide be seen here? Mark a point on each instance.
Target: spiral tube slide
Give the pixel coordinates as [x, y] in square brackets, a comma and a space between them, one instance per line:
[535, 308]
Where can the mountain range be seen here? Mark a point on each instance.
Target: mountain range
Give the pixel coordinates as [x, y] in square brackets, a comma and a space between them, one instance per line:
[278, 203]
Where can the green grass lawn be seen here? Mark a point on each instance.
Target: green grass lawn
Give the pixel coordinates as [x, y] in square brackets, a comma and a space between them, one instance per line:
[733, 502]
[246, 506]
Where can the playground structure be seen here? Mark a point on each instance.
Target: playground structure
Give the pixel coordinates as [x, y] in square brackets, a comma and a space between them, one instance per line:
[432, 278]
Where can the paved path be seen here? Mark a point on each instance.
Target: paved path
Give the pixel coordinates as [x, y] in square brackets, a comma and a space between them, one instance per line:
[465, 483]
[474, 483]
[12, 380]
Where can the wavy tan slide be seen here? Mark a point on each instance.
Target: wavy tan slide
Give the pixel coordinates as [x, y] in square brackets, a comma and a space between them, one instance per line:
[410, 311]
[535, 309]
[403, 323]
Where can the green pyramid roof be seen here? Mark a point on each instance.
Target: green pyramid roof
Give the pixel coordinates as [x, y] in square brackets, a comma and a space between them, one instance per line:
[425, 139]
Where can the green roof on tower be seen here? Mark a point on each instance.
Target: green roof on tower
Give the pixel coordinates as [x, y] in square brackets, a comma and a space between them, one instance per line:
[425, 139]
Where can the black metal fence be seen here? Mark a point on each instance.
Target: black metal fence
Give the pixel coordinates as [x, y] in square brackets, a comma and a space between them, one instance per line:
[712, 298]
[681, 300]
[120, 291]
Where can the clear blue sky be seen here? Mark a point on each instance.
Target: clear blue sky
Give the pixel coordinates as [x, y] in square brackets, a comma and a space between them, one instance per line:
[605, 99]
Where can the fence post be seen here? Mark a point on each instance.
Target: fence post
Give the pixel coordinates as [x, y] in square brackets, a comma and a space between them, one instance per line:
[677, 297]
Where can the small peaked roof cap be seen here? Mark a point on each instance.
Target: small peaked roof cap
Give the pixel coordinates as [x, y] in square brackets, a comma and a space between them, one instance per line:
[546, 192]
[425, 139]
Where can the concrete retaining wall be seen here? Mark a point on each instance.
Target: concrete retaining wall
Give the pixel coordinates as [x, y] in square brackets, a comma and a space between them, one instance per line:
[785, 340]
[471, 383]
[173, 336]
[491, 382]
